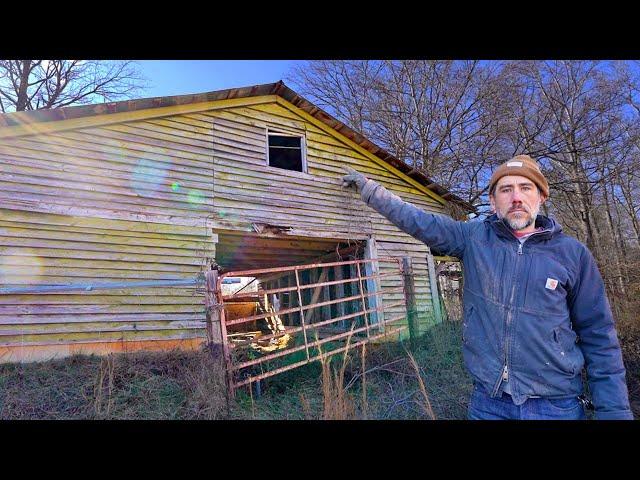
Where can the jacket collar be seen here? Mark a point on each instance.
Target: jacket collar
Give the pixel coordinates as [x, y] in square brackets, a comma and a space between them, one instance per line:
[502, 229]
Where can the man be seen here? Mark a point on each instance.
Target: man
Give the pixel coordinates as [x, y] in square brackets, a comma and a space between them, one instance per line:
[535, 308]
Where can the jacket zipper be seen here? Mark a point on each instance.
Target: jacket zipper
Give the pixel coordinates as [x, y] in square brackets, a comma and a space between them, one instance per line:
[504, 376]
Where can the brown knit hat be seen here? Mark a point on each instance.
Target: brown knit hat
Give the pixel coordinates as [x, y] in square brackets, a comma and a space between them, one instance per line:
[522, 165]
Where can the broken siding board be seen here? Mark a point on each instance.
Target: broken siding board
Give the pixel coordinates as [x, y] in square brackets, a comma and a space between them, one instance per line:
[297, 187]
[261, 187]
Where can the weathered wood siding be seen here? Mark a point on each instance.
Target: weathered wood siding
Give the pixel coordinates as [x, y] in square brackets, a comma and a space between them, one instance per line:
[119, 203]
[138, 200]
[45, 249]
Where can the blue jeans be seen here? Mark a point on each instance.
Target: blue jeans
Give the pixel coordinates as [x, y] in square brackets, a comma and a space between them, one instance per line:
[483, 407]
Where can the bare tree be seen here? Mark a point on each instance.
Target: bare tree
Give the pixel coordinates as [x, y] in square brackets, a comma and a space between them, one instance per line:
[43, 84]
[440, 117]
[571, 108]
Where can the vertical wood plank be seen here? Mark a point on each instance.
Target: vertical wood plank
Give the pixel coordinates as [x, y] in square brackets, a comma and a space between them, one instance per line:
[373, 285]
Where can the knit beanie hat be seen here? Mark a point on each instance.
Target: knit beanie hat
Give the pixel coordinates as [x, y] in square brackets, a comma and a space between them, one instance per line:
[524, 166]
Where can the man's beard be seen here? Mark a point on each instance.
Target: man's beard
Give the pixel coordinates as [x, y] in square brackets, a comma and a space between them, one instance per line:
[522, 222]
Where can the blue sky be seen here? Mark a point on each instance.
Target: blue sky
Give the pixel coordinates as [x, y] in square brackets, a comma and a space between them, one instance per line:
[179, 77]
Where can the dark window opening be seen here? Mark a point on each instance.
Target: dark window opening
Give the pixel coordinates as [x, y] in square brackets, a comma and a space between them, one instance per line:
[285, 152]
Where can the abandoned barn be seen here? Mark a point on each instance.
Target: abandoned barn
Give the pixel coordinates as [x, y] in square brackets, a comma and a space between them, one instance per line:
[142, 197]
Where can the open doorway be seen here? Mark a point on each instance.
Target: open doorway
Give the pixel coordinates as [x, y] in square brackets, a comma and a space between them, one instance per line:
[300, 311]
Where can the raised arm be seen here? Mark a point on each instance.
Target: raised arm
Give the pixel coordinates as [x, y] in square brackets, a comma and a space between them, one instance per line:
[439, 232]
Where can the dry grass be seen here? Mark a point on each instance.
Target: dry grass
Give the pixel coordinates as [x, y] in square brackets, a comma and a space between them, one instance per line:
[145, 385]
[423, 390]
[337, 402]
[379, 382]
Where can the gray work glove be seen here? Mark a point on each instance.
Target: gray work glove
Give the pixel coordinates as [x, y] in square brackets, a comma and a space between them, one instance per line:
[353, 178]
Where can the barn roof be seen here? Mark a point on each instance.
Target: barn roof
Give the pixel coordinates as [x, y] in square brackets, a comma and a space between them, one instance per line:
[279, 89]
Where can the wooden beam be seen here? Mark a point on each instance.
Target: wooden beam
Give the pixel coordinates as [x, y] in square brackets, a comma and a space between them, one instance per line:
[410, 300]
[373, 285]
[213, 312]
[433, 284]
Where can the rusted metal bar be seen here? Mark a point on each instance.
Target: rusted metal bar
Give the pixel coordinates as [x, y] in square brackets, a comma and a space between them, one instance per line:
[358, 297]
[362, 295]
[308, 307]
[301, 309]
[346, 299]
[252, 273]
[272, 356]
[318, 357]
[316, 324]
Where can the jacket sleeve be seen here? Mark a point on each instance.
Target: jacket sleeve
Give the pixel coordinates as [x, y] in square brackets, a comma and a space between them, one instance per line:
[439, 232]
[594, 324]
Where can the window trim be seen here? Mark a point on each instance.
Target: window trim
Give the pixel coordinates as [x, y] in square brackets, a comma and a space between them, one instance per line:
[283, 133]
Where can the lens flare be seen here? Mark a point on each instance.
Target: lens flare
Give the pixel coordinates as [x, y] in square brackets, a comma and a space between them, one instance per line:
[196, 197]
[147, 176]
[20, 266]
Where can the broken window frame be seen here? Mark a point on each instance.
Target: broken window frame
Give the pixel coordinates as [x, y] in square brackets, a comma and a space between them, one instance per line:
[284, 133]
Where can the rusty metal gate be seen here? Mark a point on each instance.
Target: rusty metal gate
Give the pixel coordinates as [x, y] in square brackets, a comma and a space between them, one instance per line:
[305, 313]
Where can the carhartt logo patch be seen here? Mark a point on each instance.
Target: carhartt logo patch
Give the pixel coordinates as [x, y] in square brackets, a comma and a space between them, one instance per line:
[551, 283]
[514, 164]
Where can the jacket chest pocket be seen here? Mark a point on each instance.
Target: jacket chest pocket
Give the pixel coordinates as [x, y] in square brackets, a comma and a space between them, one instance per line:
[546, 286]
